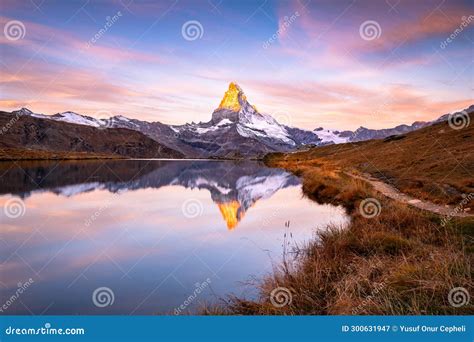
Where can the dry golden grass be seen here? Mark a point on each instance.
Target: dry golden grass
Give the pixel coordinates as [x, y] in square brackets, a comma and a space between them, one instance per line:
[435, 163]
[8, 154]
[401, 262]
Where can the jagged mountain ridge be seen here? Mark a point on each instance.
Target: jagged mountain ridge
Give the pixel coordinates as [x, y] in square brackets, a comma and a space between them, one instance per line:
[26, 131]
[236, 130]
[363, 133]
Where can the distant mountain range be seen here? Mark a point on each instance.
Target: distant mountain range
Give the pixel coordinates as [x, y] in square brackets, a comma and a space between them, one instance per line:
[25, 131]
[236, 130]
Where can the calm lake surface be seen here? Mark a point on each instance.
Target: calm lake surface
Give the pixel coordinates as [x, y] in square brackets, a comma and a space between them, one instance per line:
[161, 237]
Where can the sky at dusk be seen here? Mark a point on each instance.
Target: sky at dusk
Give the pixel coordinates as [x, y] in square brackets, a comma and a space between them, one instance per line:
[338, 64]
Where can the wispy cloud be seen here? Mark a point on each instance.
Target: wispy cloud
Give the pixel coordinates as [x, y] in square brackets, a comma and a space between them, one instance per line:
[318, 68]
[60, 44]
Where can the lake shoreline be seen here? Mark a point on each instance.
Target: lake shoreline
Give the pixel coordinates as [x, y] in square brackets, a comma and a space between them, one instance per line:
[13, 154]
[392, 259]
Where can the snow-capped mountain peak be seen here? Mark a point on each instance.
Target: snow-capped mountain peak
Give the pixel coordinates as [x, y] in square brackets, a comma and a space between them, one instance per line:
[232, 104]
[77, 119]
[24, 111]
[250, 123]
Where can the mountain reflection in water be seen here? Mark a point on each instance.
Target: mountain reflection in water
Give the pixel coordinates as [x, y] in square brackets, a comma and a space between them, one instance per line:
[125, 225]
[234, 187]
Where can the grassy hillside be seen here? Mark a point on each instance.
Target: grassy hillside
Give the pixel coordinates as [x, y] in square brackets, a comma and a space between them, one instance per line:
[399, 261]
[435, 163]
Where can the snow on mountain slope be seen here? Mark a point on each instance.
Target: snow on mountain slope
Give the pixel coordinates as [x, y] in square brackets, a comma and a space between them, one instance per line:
[328, 136]
[120, 121]
[235, 108]
[220, 124]
[235, 118]
[77, 119]
[262, 125]
[40, 116]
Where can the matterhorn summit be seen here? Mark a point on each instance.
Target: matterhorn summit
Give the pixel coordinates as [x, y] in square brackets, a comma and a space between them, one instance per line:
[250, 123]
[233, 105]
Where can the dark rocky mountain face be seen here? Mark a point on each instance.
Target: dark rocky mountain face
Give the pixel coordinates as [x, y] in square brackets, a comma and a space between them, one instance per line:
[236, 130]
[363, 133]
[28, 132]
[302, 137]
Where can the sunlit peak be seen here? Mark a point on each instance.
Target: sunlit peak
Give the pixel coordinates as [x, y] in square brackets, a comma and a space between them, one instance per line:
[233, 98]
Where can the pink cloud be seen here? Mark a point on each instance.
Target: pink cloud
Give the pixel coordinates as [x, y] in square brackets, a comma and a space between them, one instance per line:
[61, 44]
[348, 106]
[329, 40]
